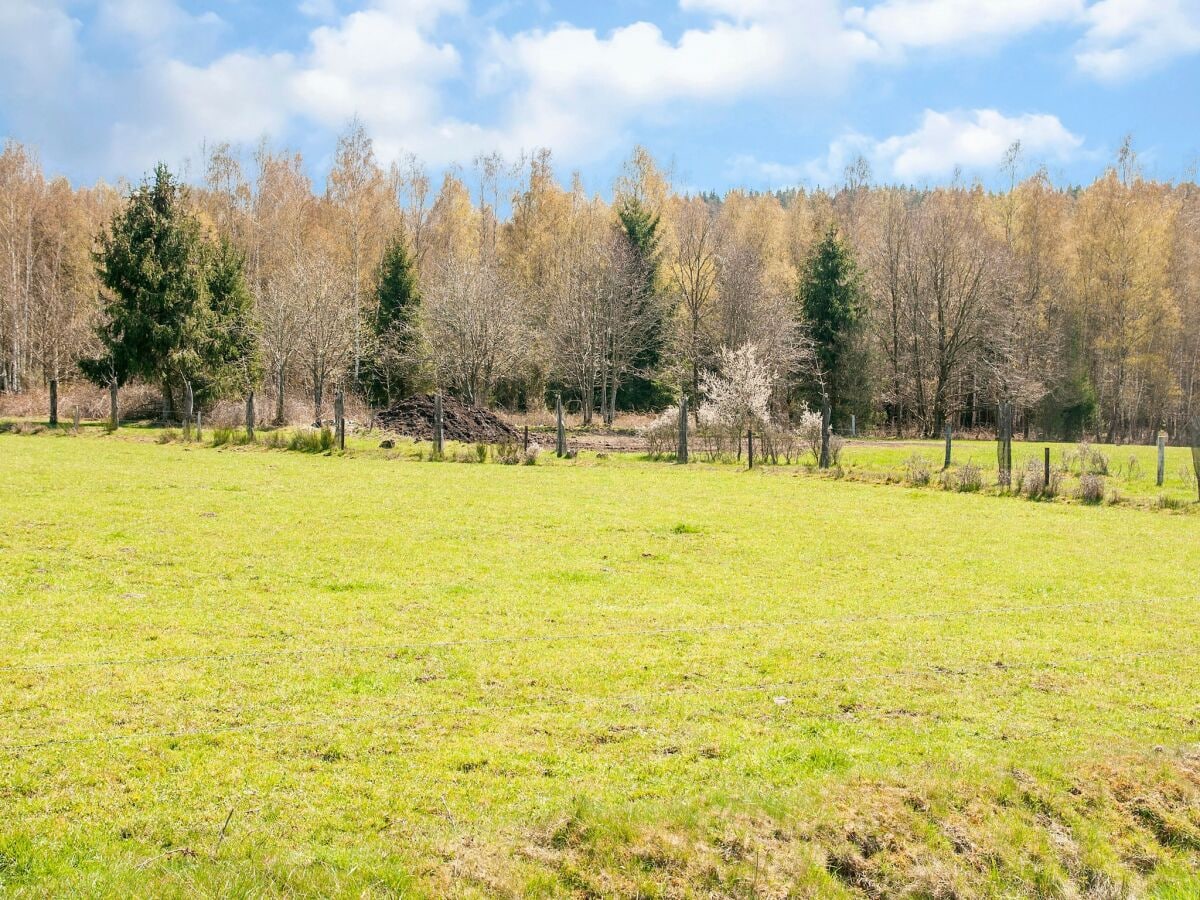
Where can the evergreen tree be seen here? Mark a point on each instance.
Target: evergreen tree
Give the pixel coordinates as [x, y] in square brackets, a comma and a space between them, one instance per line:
[229, 354]
[393, 326]
[176, 310]
[831, 300]
[641, 227]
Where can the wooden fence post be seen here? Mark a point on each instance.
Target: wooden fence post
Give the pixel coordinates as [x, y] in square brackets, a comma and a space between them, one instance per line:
[526, 446]
[750, 446]
[681, 453]
[560, 441]
[339, 419]
[113, 413]
[1162, 457]
[437, 425]
[853, 426]
[199, 433]
[250, 416]
[53, 402]
[949, 445]
[1046, 476]
[826, 419]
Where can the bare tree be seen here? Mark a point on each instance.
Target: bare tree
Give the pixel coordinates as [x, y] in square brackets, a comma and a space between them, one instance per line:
[474, 335]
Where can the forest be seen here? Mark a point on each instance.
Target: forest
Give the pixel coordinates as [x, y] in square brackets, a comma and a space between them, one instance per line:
[506, 283]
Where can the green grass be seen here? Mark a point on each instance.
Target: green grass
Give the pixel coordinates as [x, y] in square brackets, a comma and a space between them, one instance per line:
[584, 677]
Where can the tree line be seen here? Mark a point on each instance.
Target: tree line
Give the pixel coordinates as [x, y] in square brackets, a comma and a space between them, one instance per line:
[907, 308]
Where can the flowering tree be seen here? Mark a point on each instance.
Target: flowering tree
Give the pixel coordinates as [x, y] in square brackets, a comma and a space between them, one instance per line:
[739, 393]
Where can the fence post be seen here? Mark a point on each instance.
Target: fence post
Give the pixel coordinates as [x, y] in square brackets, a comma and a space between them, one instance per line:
[339, 419]
[199, 435]
[113, 413]
[560, 440]
[1046, 476]
[750, 446]
[949, 445]
[75, 419]
[526, 447]
[53, 402]
[1162, 457]
[681, 453]
[250, 416]
[437, 425]
[853, 426]
[826, 418]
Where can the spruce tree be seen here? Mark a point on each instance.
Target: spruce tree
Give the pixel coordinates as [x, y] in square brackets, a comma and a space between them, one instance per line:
[393, 326]
[831, 301]
[176, 309]
[641, 227]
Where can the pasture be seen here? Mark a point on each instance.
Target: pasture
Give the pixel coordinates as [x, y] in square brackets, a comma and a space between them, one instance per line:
[248, 672]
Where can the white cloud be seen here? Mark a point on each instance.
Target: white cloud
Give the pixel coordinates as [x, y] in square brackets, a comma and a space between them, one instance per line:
[973, 141]
[150, 21]
[576, 90]
[1129, 37]
[903, 24]
[38, 46]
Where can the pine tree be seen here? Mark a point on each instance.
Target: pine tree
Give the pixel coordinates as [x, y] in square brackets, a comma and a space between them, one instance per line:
[831, 301]
[394, 326]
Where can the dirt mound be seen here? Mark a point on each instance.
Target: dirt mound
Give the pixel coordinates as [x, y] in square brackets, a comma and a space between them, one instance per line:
[460, 422]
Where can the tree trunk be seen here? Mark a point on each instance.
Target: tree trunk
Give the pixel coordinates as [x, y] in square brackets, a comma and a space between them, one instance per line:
[279, 389]
[53, 402]
[189, 401]
[318, 396]
[113, 418]
[250, 416]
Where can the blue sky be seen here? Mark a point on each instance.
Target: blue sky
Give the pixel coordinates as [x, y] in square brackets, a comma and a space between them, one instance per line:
[756, 93]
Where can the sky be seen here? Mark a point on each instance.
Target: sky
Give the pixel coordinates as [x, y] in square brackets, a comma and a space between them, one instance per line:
[762, 94]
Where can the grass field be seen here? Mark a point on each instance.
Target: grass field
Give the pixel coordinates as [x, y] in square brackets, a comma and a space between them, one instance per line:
[246, 672]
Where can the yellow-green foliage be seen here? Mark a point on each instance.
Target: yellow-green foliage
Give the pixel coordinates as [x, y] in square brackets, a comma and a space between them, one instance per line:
[238, 672]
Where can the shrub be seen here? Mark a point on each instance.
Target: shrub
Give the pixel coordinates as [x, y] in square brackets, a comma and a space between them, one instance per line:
[167, 436]
[1091, 488]
[808, 427]
[662, 435]
[481, 453]
[1166, 501]
[917, 470]
[836, 445]
[531, 455]
[970, 477]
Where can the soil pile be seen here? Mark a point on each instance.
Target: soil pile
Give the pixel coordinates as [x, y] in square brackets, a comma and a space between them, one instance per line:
[460, 422]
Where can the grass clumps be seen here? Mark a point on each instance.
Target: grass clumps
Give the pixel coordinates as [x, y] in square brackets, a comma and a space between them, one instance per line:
[311, 440]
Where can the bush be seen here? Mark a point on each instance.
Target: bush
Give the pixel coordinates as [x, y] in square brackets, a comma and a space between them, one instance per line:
[918, 471]
[167, 436]
[1091, 488]
[662, 435]
[481, 453]
[969, 478]
[511, 454]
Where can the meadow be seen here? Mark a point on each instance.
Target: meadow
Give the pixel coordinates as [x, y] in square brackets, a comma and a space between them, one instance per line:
[241, 671]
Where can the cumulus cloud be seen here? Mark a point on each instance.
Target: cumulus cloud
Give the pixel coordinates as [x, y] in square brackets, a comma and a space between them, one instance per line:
[903, 24]
[974, 142]
[1129, 37]
[576, 90]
